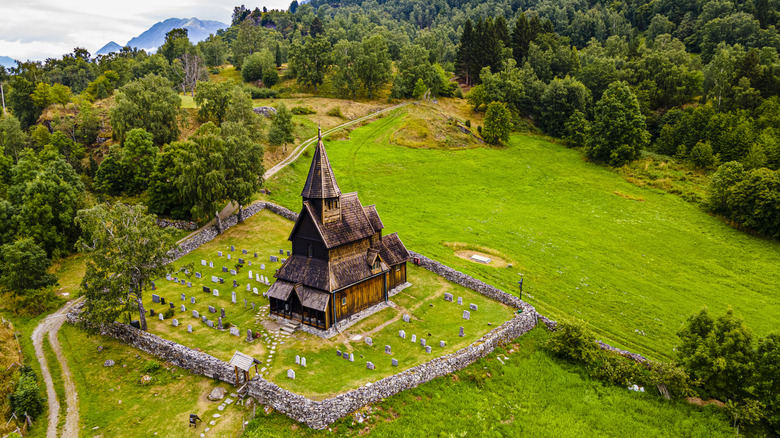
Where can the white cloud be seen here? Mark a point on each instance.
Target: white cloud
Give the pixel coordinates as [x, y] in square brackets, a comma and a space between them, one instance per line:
[39, 29]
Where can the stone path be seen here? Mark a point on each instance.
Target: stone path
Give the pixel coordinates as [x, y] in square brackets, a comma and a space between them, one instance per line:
[51, 326]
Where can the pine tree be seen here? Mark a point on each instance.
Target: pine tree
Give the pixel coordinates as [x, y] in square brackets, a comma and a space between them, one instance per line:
[521, 38]
[465, 56]
[278, 55]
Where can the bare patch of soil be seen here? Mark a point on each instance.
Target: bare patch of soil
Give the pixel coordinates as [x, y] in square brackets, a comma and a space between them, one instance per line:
[464, 251]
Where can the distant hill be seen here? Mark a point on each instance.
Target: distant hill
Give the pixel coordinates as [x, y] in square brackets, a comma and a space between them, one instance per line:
[198, 30]
[108, 48]
[7, 62]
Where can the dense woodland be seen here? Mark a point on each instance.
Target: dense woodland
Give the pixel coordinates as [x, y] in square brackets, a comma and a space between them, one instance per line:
[695, 82]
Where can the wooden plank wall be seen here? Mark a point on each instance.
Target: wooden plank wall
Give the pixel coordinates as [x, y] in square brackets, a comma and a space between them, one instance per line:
[394, 278]
[360, 296]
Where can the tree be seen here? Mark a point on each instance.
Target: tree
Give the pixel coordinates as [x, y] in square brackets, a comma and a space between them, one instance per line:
[723, 180]
[477, 96]
[419, 89]
[176, 44]
[200, 171]
[213, 99]
[560, 100]
[161, 198]
[13, 140]
[41, 97]
[126, 251]
[278, 55]
[112, 177]
[190, 69]
[373, 64]
[577, 129]
[24, 267]
[767, 369]
[243, 166]
[718, 353]
[252, 68]
[148, 103]
[214, 50]
[8, 224]
[316, 28]
[754, 202]
[498, 123]
[618, 132]
[465, 63]
[60, 94]
[311, 60]
[138, 160]
[27, 399]
[281, 126]
[293, 6]
[20, 102]
[701, 155]
[345, 79]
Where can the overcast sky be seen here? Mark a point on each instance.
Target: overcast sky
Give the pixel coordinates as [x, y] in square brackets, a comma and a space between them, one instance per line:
[39, 29]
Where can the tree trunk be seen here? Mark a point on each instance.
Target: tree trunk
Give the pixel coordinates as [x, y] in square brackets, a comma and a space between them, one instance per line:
[240, 213]
[142, 313]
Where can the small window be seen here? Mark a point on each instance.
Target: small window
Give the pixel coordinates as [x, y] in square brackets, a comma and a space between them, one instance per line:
[344, 301]
[397, 269]
[310, 250]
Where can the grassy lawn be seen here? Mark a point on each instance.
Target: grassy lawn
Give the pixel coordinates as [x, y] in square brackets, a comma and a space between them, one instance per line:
[529, 394]
[633, 261]
[266, 233]
[69, 271]
[113, 401]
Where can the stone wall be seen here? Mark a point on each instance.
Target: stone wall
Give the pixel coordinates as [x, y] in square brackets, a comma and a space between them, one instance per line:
[181, 225]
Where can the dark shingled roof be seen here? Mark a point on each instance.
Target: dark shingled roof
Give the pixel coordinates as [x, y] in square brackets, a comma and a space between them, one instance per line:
[354, 224]
[280, 290]
[312, 298]
[393, 250]
[350, 270]
[373, 217]
[320, 183]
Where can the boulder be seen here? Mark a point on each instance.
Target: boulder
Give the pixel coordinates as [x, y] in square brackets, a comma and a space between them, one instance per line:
[265, 111]
[217, 394]
[108, 363]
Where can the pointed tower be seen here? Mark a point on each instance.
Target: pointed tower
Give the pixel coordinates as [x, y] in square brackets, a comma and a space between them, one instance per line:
[321, 190]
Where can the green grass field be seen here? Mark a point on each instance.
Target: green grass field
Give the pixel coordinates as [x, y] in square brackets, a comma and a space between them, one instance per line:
[266, 233]
[530, 394]
[633, 261]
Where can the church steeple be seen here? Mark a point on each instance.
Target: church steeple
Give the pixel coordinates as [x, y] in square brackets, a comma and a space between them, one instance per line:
[321, 189]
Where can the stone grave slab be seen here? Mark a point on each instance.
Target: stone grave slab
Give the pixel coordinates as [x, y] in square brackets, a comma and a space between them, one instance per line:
[447, 296]
[234, 331]
[175, 322]
[155, 298]
[291, 374]
[394, 362]
[472, 306]
[466, 314]
[370, 365]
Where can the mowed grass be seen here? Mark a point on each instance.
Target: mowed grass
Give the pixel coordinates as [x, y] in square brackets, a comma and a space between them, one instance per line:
[529, 394]
[114, 403]
[432, 319]
[584, 242]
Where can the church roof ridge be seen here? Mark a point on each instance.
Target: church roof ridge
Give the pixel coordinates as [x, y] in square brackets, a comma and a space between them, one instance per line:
[320, 183]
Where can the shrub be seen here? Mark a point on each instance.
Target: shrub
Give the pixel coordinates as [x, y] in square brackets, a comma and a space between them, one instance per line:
[701, 155]
[252, 68]
[270, 77]
[302, 110]
[335, 112]
[572, 340]
[26, 399]
[151, 366]
[468, 123]
[261, 93]
[617, 369]
[168, 314]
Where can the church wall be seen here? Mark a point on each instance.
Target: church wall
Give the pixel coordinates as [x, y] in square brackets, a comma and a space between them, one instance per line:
[360, 296]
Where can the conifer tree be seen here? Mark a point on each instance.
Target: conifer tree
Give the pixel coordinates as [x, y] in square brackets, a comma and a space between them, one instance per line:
[465, 57]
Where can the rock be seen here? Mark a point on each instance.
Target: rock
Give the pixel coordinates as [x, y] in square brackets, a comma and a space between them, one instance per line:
[108, 363]
[146, 379]
[265, 111]
[217, 393]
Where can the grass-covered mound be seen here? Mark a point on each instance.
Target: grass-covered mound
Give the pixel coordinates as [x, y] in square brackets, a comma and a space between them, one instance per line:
[634, 261]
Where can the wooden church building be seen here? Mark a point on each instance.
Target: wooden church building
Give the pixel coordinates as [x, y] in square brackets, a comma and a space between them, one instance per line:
[340, 263]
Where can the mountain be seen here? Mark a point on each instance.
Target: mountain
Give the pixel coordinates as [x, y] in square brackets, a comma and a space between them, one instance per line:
[7, 62]
[108, 48]
[198, 30]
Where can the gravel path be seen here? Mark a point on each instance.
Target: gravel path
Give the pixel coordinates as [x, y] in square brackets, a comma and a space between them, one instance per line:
[51, 325]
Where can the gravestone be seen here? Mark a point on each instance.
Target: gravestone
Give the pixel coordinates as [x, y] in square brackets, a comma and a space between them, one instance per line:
[387, 349]
[428, 349]
[284, 260]
[248, 287]
[235, 332]
[214, 279]
[370, 365]
[155, 298]
[423, 341]
[233, 272]
[222, 312]
[351, 357]
[291, 374]
[183, 297]
[224, 269]
[162, 300]
[460, 300]
[253, 306]
[195, 314]
[219, 253]
[472, 306]
[240, 261]
[183, 309]
[135, 324]
[221, 280]
[394, 362]
[249, 262]
[244, 303]
[407, 318]
[172, 306]
[232, 248]
[447, 296]
[262, 266]
[207, 289]
[175, 279]
[212, 309]
[257, 277]
[249, 337]
[303, 361]
[288, 253]
[250, 274]
[274, 259]
[154, 287]
[215, 293]
[338, 353]
[297, 359]
[402, 334]
[192, 300]
[183, 281]
[152, 312]
[203, 318]
[161, 317]
[281, 251]
[168, 277]
[243, 251]
[210, 323]
[189, 284]
[369, 341]
[229, 257]
[211, 264]
[198, 275]
[219, 323]
[461, 334]
[235, 284]
[255, 255]
[345, 356]
[466, 314]
[414, 339]
[233, 297]
[175, 322]
[254, 289]
[441, 344]
[189, 328]
[202, 262]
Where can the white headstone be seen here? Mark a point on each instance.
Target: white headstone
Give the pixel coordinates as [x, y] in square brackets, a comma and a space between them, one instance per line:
[257, 277]
[402, 334]
[297, 359]
[291, 374]
[303, 361]
[250, 274]
[175, 322]
[466, 314]
[472, 306]
[248, 287]
[233, 297]
[211, 264]
[262, 266]
[460, 300]
[160, 315]
[414, 338]
[229, 257]
[219, 253]
[203, 263]
[216, 293]
[351, 357]
[254, 289]
[189, 328]
[234, 331]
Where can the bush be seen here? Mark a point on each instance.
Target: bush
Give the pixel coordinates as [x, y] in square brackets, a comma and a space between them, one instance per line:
[701, 155]
[168, 314]
[151, 366]
[270, 77]
[335, 112]
[616, 369]
[261, 93]
[252, 68]
[26, 399]
[302, 110]
[468, 123]
[572, 340]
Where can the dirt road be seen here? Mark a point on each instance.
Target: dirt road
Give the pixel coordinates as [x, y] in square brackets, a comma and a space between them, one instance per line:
[51, 326]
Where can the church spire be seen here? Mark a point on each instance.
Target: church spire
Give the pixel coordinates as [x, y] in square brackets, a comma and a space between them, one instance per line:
[320, 184]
